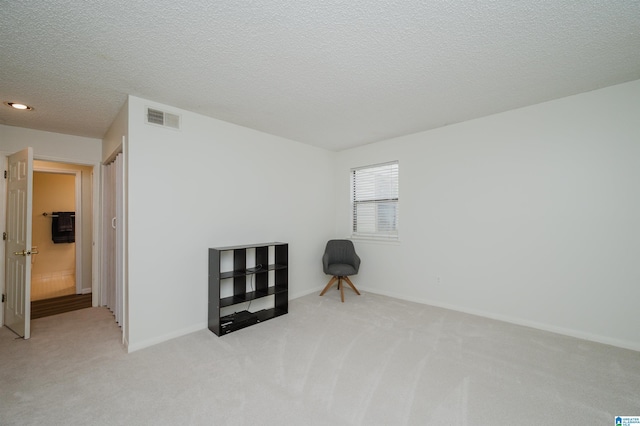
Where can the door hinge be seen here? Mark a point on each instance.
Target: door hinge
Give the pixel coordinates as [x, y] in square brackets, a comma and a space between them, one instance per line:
[4, 236]
[5, 174]
[3, 298]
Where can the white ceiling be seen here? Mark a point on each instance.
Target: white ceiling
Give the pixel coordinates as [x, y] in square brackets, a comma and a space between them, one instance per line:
[330, 73]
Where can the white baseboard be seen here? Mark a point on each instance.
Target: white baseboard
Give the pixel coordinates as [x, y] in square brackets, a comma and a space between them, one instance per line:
[634, 346]
[178, 333]
[306, 292]
[86, 290]
[189, 330]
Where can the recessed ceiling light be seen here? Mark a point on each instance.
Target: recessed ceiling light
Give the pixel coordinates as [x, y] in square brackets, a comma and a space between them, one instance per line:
[19, 106]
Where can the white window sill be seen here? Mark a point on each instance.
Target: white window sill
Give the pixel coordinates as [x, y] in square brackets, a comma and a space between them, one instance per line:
[375, 240]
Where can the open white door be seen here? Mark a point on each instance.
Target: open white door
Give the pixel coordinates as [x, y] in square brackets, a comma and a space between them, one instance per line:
[18, 248]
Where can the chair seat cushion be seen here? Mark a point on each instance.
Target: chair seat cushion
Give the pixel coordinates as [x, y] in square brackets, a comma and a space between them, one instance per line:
[341, 269]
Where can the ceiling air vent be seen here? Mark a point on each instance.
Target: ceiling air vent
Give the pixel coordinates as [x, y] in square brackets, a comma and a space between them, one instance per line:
[161, 118]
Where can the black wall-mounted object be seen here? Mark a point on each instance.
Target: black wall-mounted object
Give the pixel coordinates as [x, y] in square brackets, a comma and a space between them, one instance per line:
[263, 284]
[63, 227]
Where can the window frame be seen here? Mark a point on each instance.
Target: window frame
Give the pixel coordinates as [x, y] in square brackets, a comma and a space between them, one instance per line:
[378, 200]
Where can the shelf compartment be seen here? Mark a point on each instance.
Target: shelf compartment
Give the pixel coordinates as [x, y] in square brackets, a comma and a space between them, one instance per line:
[268, 314]
[252, 295]
[256, 317]
[250, 271]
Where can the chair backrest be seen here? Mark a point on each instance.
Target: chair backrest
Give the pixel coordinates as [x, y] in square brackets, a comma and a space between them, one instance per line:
[341, 251]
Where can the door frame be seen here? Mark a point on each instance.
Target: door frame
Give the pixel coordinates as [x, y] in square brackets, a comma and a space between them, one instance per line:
[4, 160]
[78, 213]
[96, 215]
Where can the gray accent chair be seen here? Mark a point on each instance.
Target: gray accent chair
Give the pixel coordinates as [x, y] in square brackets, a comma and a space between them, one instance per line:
[340, 260]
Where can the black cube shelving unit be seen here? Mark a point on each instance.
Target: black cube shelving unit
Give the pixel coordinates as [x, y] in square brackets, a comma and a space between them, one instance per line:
[267, 279]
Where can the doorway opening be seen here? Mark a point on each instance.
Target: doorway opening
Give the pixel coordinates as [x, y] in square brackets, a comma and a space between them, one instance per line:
[16, 202]
[53, 266]
[60, 275]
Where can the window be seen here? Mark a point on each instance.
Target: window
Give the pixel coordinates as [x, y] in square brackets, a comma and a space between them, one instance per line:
[375, 201]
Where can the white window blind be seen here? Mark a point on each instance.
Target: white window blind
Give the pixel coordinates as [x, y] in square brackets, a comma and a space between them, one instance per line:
[375, 200]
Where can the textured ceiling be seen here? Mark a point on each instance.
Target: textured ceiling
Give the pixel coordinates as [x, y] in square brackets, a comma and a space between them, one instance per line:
[335, 74]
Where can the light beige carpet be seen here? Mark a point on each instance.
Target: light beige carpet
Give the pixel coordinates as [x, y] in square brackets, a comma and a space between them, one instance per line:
[370, 361]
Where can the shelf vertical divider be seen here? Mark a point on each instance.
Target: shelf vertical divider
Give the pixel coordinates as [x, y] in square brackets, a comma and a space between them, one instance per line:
[214, 291]
[282, 277]
[262, 259]
[239, 272]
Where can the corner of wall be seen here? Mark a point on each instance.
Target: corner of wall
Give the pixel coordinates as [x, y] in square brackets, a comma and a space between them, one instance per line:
[112, 141]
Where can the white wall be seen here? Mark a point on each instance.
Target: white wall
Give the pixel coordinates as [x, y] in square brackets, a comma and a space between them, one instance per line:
[528, 216]
[112, 143]
[531, 216]
[50, 146]
[215, 184]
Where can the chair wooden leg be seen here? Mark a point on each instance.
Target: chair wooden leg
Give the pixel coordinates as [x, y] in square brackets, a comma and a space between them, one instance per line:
[328, 286]
[352, 286]
[340, 286]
